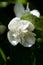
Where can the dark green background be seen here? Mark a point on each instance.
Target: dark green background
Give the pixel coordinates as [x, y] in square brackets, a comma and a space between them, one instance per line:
[20, 55]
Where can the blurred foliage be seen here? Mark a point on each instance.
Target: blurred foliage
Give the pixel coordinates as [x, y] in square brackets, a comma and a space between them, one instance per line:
[20, 55]
[21, 1]
[5, 3]
[3, 55]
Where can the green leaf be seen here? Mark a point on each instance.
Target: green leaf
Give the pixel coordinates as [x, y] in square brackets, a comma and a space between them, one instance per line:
[2, 54]
[38, 22]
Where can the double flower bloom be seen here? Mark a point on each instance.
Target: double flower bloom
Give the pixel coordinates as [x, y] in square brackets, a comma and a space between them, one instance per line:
[21, 31]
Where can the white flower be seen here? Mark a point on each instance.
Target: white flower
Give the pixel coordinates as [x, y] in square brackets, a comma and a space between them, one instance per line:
[19, 10]
[20, 31]
[2, 29]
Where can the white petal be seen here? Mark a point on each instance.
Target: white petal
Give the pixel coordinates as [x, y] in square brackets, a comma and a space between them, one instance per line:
[15, 35]
[27, 24]
[25, 31]
[19, 9]
[31, 27]
[14, 41]
[24, 24]
[35, 12]
[13, 24]
[28, 40]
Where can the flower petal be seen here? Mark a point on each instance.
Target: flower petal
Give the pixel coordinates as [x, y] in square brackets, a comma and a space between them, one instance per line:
[14, 24]
[28, 40]
[31, 27]
[35, 12]
[19, 9]
[27, 24]
[14, 41]
[24, 24]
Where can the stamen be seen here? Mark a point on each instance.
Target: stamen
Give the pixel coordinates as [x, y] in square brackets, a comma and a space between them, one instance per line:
[27, 7]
